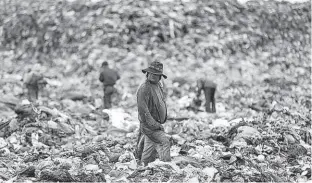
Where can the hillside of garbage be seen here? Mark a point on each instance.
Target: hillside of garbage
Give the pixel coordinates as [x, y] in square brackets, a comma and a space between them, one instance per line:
[259, 54]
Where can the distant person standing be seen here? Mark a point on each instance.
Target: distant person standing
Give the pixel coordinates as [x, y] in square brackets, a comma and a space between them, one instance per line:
[209, 88]
[108, 77]
[33, 80]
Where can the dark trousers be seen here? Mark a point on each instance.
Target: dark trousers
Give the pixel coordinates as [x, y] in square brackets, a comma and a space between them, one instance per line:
[108, 92]
[32, 92]
[210, 100]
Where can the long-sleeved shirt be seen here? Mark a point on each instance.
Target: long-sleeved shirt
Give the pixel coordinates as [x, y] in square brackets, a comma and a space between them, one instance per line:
[152, 108]
[108, 76]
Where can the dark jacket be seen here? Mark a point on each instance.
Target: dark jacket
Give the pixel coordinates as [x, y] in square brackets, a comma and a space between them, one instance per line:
[205, 83]
[108, 76]
[149, 115]
[33, 78]
[202, 84]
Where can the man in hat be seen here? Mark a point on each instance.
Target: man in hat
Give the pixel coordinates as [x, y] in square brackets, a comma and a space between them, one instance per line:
[108, 77]
[152, 111]
[209, 88]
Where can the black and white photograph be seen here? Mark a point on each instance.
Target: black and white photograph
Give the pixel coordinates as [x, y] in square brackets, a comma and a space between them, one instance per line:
[175, 91]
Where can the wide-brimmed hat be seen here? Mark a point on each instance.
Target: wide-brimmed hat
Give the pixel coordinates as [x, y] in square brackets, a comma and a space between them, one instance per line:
[155, 68]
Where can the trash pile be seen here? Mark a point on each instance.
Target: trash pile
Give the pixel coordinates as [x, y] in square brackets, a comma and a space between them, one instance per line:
[214, 28]
[41, 143]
